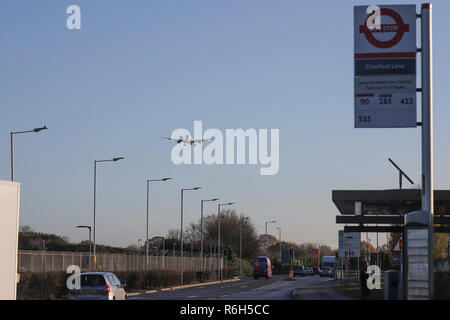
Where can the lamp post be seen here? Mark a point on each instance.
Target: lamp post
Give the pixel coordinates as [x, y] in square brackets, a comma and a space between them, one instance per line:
[279, 238]
[240, 245]
[88, 227]
[182, 253]
[146, 238]
[95, 191]
[201, 227]
[218, 233]
[163, 240]
[35, 130]
[265, 245]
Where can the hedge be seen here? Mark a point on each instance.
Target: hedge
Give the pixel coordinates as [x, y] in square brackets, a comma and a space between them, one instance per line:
[51, 285]
[442, 285]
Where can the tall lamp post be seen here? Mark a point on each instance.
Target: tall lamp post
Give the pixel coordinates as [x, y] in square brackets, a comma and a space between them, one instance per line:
[201, 227]
[182, 239]
[279, 238]
[89, 228]
[163, 240]
[218, 233]
[95, 191]
[146, 238]
[265, 245]
[36, 130]
[240, 245]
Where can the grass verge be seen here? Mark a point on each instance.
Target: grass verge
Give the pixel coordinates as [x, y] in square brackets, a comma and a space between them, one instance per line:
[352, 289]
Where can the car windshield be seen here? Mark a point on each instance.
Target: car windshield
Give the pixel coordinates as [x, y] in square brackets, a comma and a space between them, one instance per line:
[92, 280]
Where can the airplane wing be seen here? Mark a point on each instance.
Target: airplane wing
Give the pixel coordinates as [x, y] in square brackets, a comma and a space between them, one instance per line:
[170, 139]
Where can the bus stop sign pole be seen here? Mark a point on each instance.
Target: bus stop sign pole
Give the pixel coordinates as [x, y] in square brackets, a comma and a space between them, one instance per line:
[427, 129]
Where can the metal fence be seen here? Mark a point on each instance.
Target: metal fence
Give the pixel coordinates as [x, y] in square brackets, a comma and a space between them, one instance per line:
[351, 275]
[41, 261]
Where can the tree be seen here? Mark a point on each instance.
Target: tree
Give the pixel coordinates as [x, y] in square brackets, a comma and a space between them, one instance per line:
[173, 234]
[25, 229]
[230, 227]
[268, 239]
[440, 247]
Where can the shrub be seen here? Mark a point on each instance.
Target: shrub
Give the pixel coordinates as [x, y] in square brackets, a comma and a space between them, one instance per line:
[52, 285]
[42, 286]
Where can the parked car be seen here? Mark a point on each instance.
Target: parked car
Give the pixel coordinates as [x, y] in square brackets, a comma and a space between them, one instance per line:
[308, 271]
[325, 272]
[332, 273]
[316, 270]
[299, 271]
[262, 267]
[98, 286]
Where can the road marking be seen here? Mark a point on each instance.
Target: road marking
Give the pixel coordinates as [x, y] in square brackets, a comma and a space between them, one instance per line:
[190, 297]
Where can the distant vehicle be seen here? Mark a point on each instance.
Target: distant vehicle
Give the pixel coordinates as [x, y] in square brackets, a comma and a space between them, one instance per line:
[308, 271]
[329, 262]
[325, 272]
[98, 286]
[333, 273]
[316, 270]
[299, 271]
[262, 267]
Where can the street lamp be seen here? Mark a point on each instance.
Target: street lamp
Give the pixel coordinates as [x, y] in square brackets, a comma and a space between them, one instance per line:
[218, 232]
[35, 130]
[95, 191]
[182, 239]
[88, 227]
[240, 245]
[265, 246]
[201, 226]
[161, 238]
[148, 189]
[279, 238]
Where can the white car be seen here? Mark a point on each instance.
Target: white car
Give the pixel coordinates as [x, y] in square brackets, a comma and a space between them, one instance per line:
[308, 271]
[98, 286]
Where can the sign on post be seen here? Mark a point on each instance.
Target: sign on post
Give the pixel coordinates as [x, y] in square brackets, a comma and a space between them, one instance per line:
[385, 66]
[398, 246]
[349, 244]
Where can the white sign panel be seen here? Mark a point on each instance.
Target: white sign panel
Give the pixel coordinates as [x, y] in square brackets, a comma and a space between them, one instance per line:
[9, 228]
[385, 67]
[418, 262]
[349, 244]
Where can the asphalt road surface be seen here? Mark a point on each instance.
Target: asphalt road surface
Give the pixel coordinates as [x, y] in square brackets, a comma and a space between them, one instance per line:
[277, 288]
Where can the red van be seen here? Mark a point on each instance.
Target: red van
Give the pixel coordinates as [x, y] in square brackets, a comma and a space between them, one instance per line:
[262, 267]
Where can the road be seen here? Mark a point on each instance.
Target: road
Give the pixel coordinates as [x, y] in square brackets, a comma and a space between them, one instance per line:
[277, 288]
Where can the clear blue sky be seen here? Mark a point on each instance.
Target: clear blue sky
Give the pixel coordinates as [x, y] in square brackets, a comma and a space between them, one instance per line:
[139, 69]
